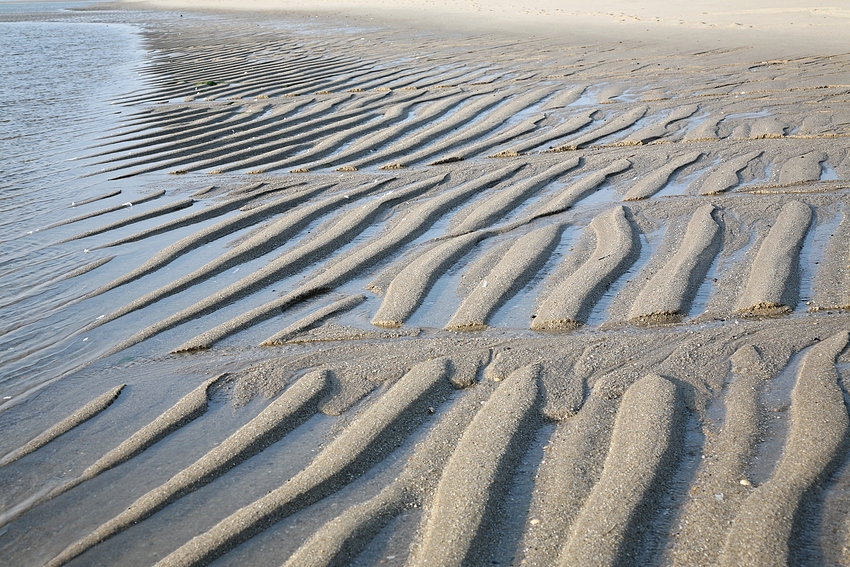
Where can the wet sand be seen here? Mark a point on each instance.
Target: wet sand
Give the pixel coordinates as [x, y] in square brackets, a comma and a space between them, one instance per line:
[426, 288]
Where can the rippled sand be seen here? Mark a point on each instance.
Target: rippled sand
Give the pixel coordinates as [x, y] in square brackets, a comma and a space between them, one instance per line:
[404, 294]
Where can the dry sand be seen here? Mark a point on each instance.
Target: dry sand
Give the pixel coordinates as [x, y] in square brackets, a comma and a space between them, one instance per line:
[459, 283]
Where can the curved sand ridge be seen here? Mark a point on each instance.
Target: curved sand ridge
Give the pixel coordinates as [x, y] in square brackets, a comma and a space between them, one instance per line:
[347, 456]
[407, 290]
[568, 306]
[274, 234]
[314, 319]
[276, 420]
[705, 518]
[165, 209]
[85, 413]
[519, 263]
[566, 128]
[643, 445]
[479, 215]
[660, 129]
[761, 532]
[204, 236]
[187, 409]
[251, 193]
[581, 188]
[726, 176]
[667, 296]
[330, 413]
[476, 473]
[611, 126]
[831, 289]
[773, 273]
[112, 209]
[653, 183]
[349, 533]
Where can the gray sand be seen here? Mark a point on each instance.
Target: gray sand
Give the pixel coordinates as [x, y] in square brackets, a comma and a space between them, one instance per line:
[644, 245]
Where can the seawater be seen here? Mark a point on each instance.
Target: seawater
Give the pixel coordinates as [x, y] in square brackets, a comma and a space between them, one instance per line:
[61, 69]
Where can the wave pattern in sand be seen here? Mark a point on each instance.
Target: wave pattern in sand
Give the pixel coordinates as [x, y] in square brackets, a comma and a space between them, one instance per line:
[458, 302]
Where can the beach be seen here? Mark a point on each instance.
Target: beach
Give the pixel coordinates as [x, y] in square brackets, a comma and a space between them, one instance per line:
[435, 283]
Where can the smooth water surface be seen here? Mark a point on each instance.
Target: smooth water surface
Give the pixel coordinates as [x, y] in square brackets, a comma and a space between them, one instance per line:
[61, 68]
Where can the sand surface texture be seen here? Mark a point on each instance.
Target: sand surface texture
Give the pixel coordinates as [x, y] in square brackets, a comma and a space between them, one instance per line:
[405, 295]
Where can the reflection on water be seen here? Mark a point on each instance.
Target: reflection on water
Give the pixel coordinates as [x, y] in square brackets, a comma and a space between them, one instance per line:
[60, 70]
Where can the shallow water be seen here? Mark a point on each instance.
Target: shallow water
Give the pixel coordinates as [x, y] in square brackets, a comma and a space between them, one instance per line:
[823, 227]
[776, 401]
[61, 68]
